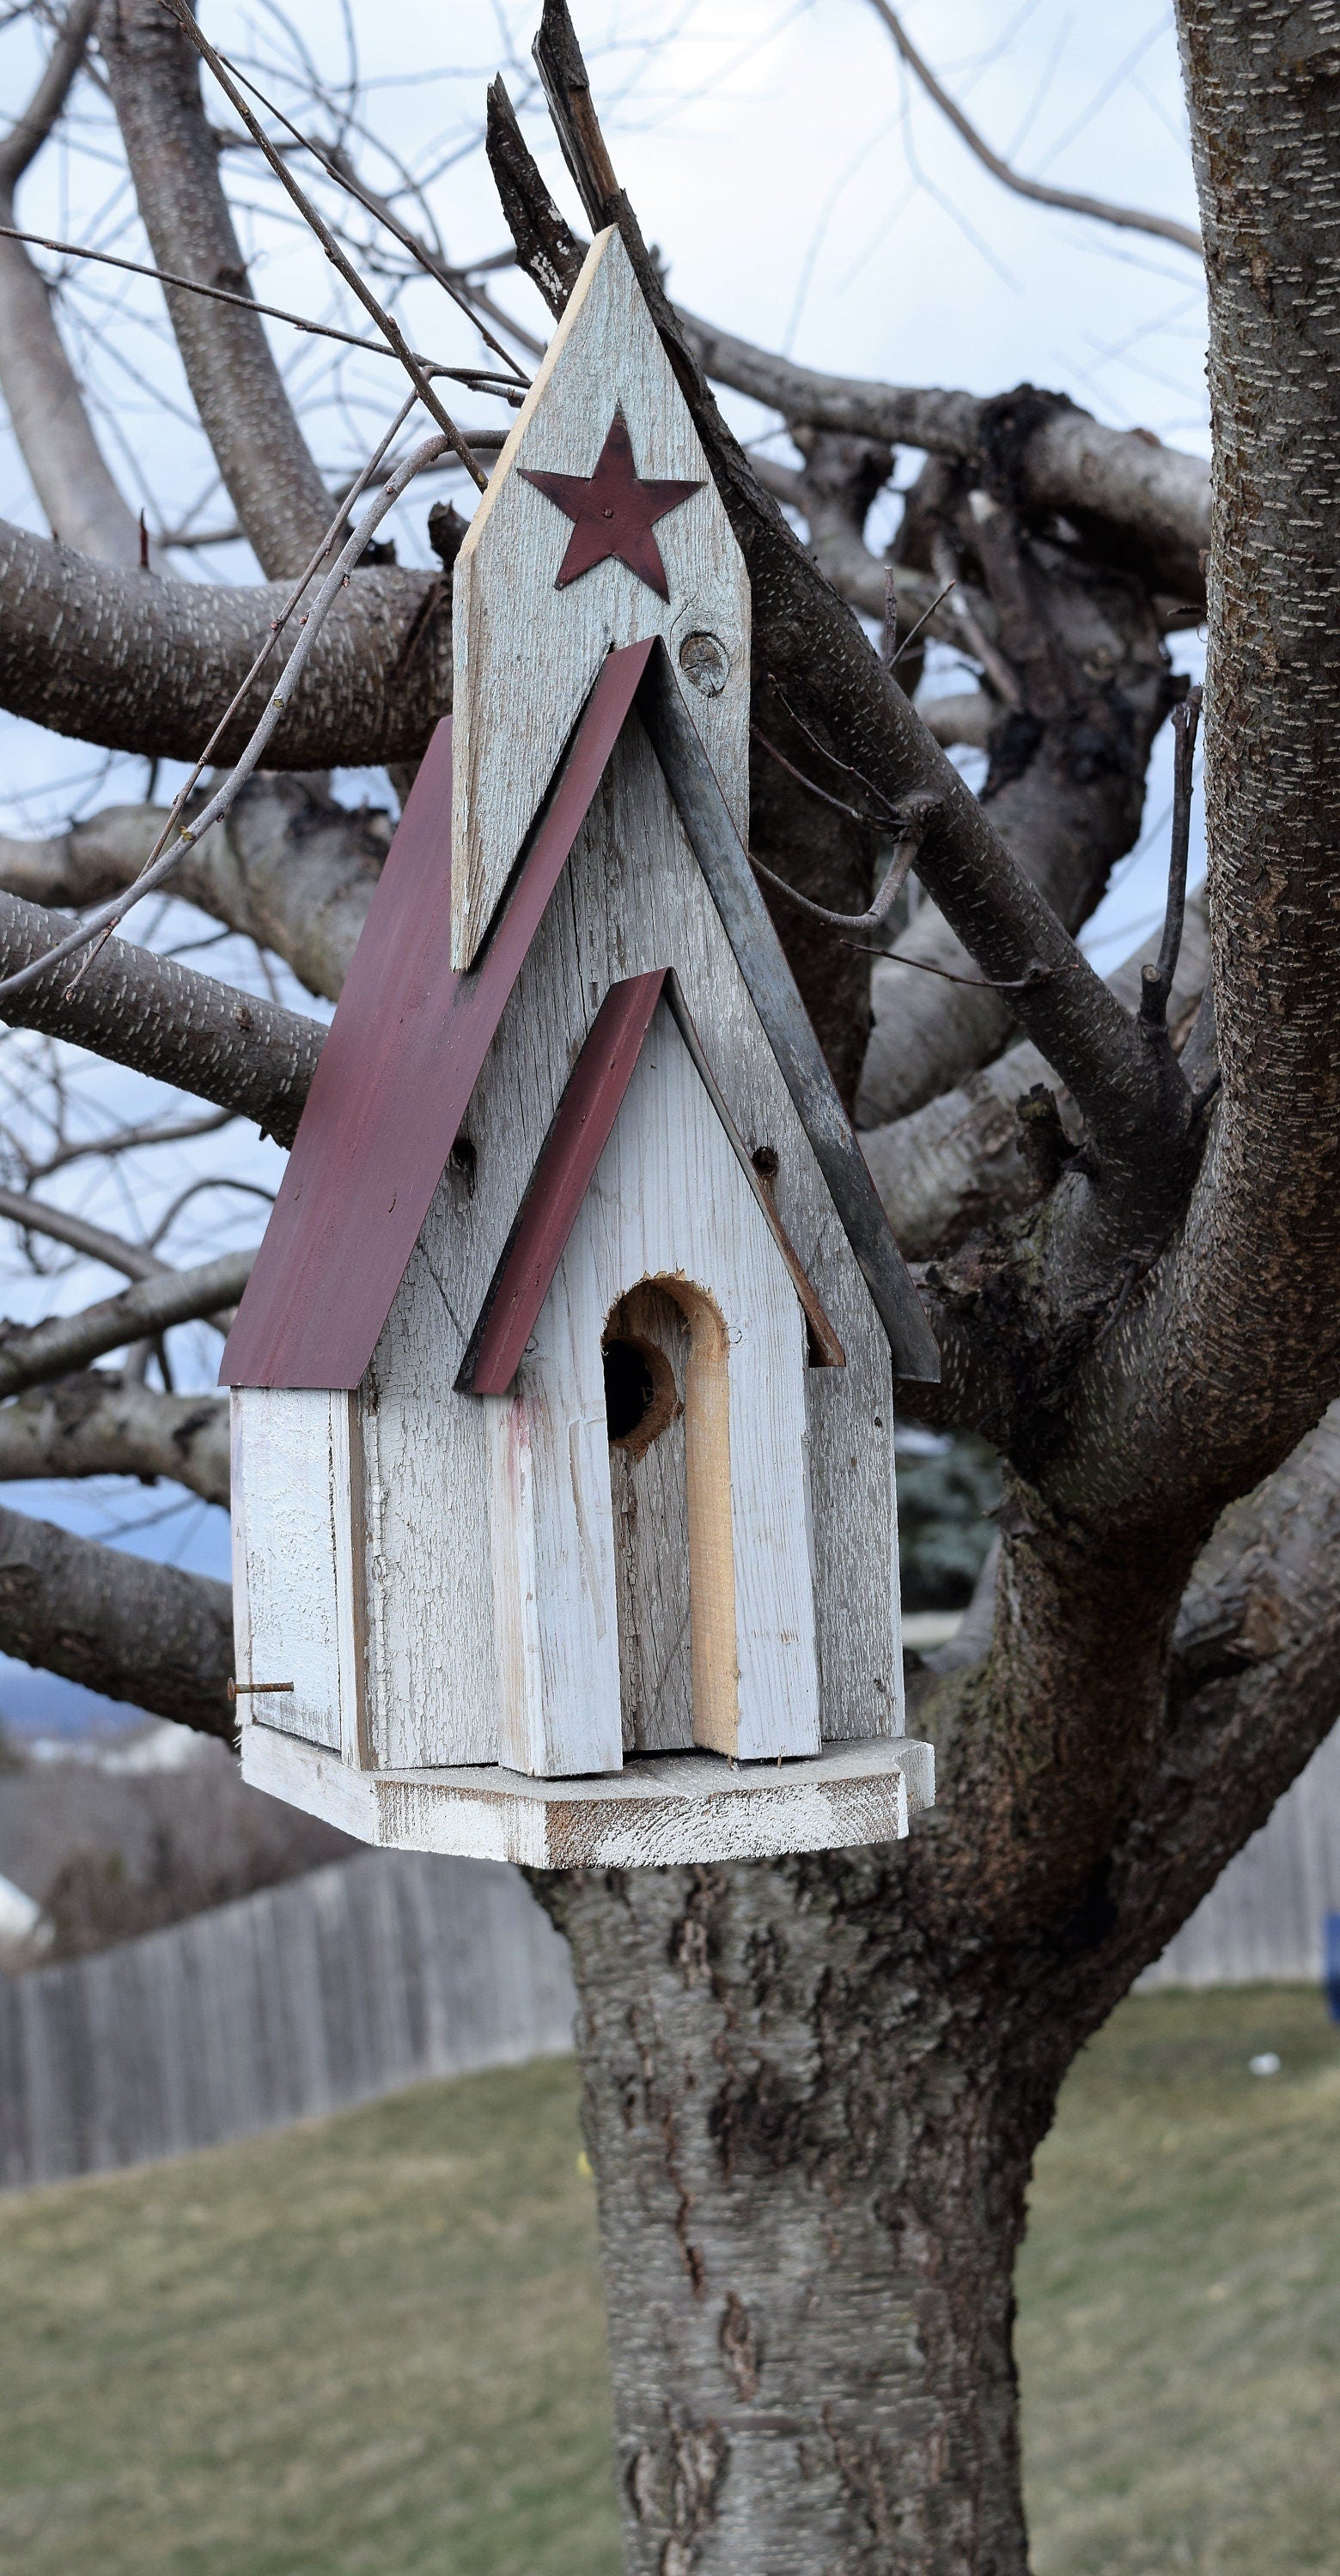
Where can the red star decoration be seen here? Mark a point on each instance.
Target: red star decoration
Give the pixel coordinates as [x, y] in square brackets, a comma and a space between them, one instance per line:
[613, 512]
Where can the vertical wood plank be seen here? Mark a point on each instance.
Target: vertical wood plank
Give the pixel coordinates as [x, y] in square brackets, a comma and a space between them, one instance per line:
[649, 1492]
[291, 1459]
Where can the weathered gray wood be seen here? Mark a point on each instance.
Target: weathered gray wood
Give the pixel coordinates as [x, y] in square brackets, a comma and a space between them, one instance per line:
[633, 901]
[526, 652]
[659, 1811]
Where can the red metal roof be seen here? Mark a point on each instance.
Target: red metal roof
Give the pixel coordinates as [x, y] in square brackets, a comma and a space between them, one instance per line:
[580, 1132]
[397, 1071]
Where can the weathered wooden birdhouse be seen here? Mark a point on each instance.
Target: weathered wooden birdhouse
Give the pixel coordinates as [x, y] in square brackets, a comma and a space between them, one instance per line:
[563, 1461]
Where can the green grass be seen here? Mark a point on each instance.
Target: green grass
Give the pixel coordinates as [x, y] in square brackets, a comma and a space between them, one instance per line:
[374, 2346]
[1180, 2297]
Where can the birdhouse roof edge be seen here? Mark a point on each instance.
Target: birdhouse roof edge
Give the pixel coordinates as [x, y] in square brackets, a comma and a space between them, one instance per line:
[565, 1168]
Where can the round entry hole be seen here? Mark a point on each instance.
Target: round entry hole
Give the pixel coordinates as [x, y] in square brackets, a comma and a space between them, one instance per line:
[640, 1395]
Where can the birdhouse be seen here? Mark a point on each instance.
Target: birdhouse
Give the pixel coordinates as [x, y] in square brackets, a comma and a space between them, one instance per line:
[563, 1492]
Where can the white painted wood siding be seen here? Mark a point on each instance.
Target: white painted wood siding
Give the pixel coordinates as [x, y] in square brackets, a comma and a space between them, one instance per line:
[295, 1576]
[668, 1202]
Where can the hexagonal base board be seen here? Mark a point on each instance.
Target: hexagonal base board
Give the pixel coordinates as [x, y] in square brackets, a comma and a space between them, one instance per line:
[659, 1811]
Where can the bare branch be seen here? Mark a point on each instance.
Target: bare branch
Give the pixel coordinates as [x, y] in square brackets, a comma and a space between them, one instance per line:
[252, 1057]
[162, 861]
[1158, 978]
[385, 321]
[957, 1163]
[55, 436]
[90, 650]
[30, 131]
[965, 717]
[99, 1424]
[548, 251]
[1036, 448]
[288, 867]
[36, 1217]
[117, 1623]
[1127, 218]
[152, 1306]
[476, 376]
[236, 386]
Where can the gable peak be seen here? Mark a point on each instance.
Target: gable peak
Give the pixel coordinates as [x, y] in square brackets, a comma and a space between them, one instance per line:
[604, 448]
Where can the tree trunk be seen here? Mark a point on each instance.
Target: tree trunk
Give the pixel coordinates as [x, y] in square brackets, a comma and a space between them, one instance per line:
[812, 2163]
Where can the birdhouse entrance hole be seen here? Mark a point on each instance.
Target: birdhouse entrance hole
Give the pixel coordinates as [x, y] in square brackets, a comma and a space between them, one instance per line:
[667, 1405]
[641, 1397]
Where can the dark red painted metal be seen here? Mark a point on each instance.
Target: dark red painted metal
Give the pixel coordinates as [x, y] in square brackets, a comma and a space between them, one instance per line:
[396, 1073]
[614, 513]
[563, 1175]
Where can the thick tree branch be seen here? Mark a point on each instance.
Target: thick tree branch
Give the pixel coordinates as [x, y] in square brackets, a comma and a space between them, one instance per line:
[1146, 501]
[235, 384]
[70, 475]
[148, 666]
[386, 321]
[167, 1021]
[98, 1424]
[961, 1161]
[1125, 218]
[30, 1355]
[288, 866]
[117, 1623]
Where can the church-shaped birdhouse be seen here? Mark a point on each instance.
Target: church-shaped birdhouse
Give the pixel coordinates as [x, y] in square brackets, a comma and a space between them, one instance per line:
[563, 1498]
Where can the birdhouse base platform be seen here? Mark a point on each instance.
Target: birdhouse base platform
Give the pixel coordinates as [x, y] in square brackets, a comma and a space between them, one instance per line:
[659, 1811]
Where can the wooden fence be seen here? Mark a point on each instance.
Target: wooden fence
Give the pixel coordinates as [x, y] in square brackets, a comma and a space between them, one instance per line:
[1266, 1916]
[346, 1984]
[373, 1973]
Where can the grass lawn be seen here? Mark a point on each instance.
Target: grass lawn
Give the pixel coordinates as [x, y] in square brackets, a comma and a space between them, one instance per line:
[375, 2344]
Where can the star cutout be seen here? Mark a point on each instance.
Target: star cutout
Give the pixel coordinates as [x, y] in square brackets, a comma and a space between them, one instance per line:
[613, 512]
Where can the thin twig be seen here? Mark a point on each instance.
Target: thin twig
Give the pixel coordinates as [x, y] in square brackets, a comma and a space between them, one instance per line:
[479, 379]
[385, 321]
[871, 822]
[979, 643]
[892, 660]
[338, 169]
[1156, 982]
[876, 918]
[1127, 218]
[309, 570]
[891, 811]
[919, 809]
